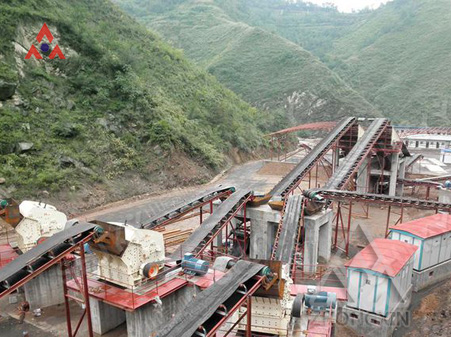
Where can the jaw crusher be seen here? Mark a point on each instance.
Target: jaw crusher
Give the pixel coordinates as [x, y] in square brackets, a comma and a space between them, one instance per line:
[33, 221]
[127, 255]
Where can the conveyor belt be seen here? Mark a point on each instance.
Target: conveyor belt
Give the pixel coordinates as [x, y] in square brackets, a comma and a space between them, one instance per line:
[187, 206]
[213, 223]
[412, 160]
[357, 154]
[381, 199]
[43, 254]
[203, 310]
[299, 172]
[290, 229]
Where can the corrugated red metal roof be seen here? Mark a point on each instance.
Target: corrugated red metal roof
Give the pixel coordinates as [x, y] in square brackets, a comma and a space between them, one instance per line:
[384, 256]
[427, 227]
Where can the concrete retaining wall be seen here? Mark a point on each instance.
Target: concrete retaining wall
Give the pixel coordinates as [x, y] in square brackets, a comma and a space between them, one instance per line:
[147, 320]
[371, 325]
[430, 276]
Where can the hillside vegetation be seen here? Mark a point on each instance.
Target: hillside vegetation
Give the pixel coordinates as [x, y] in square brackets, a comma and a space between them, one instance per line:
[400, 60]
[267, 70]
[122, 104]
[397, 57]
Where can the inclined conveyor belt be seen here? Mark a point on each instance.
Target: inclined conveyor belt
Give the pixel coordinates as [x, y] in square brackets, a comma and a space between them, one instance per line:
[290, 229]
[312, 157]
[42, 254]
[381, 198]
[185, 206]
[412, 160]
[203, 310]
[212, 224]
[358, 152]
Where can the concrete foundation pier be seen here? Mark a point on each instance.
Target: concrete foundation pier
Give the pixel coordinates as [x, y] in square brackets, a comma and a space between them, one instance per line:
[363, 177]
[46, 289]
[371, 325]
[105, 317]
[148, 319]
[264, 222]
[430, 276]
[318, 239]
[393, 174]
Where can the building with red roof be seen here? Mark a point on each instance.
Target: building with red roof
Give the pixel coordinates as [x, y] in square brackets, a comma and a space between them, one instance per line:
[432, 236]
[379, 276]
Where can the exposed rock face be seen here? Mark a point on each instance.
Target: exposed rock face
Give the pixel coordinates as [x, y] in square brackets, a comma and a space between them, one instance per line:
[7, 89]
[24, 147]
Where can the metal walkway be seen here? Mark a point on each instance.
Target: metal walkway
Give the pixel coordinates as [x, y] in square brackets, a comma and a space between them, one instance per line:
[289, 231]
[209, 229]
[292, 179]
[209, 310]
[358, 153]
[43, 256]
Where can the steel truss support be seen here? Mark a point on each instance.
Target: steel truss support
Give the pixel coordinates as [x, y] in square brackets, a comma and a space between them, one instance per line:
[83, 289]
[299, 246]
[227, 225]
[245, 300]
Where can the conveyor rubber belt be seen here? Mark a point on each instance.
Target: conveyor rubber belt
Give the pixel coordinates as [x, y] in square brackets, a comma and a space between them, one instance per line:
[175, 211]
[412, 160]
[209, 225]
[23, 265]
[382, 199]
[358, 152]
[312, 157]
[290, 228]
[207, 302]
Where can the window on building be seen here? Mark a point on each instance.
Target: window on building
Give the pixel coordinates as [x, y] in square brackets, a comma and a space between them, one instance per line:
[368, 282]
[354, 316]
[431, 273]
[375, 321]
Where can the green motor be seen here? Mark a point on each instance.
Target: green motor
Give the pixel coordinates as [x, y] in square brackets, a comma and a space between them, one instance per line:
[3, 204]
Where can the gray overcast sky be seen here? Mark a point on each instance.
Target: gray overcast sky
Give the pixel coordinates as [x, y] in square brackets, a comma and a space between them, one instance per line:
[349, 5]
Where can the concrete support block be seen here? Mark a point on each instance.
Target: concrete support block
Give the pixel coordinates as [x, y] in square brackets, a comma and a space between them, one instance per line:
[264, 222]
[105, 317]
[336, 157]
[444, 196]
[393, 174]
[46, 289]
[430, 276]
[325, 237]
[148, 319]
[401, 175]
[371, 325]
[318, 240]
[363, 177]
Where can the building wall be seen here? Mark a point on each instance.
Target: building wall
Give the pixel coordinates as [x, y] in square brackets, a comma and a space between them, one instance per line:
[400, 285]
[431, 251]
[378, 293]
[413, 240]
[368, 291]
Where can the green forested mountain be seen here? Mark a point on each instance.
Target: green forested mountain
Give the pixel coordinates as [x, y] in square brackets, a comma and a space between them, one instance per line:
[267, 70]
[397, 57]
[400, 60]
[121, 102]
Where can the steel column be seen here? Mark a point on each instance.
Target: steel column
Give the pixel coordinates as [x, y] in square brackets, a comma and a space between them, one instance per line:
[249, 317]
[349, 229]
[86, 289]
[66, 300]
